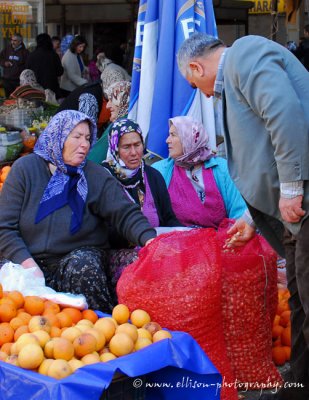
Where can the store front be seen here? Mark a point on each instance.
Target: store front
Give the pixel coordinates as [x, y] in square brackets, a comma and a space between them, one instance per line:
[24, 17]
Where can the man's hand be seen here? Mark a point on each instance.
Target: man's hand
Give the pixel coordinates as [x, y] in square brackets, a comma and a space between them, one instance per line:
[8, 64]
[241, 233]
[291, 209]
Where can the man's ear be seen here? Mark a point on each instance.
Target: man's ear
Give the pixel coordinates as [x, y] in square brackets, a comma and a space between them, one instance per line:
[196, 66]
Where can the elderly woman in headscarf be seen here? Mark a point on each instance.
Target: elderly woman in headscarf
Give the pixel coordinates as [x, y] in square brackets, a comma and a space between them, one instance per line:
[30, 89]
[142, 185]
[118, 95]
[55, 207]
[110, 72]
[200, 187]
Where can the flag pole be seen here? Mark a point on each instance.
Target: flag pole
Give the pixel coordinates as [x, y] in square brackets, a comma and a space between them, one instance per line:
[274, 20]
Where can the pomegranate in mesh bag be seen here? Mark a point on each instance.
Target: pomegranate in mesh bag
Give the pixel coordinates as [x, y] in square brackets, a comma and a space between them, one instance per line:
[177, 280]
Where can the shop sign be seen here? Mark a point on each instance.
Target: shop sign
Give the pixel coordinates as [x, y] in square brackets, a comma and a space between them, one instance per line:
[14, 17]
[266, 7]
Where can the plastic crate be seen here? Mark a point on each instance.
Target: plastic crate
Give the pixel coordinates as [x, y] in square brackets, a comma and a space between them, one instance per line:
[122, 388]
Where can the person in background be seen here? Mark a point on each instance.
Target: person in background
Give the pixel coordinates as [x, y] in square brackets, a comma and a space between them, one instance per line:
[13, 61]
[75, 71]
[65, 43]
[46, 64]
[267, 154]
[57, 45]
[110, 72]
[118, 95]
[29, 88]
[142, 185]
[94, 72]
[87, 99]
[302, 52]
[55, 207]
[201, 190]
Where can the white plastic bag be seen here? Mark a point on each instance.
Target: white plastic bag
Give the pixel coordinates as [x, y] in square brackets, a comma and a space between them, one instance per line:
[15, 277]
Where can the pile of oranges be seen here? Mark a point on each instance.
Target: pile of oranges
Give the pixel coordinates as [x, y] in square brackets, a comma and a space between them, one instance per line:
[4, 171]
[281, 330]
[54, 340]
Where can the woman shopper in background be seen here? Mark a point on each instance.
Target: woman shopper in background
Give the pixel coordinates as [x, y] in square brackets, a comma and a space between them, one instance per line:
[75, 73]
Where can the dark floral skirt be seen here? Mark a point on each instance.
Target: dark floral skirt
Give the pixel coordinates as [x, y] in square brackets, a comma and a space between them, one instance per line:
[119, 259]
[82, 271]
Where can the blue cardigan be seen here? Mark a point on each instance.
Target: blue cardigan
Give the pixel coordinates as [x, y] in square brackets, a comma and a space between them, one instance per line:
[234, 204]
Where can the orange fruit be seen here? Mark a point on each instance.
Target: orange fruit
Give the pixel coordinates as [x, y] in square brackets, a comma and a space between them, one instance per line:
[285, 318]
[64, 319]
[6, 333]
[129, 329]
[279, 355]
[55, 332]
[140, 318]
[287, 350]
[90, 315]
[75, 314]
[30, 356]
[277, 342]
[276, 320]
[7, 312]
[63, 349]
[283, 305]
[160, 335]
[52, 318]
[1, 291]
[34, 305]
[17, 297]
[51, 307]
[20, 331]
[286, 336]
[276, 331]
[24, 316]
[6, 300]
[121, 344]
[6, 169]
[84, 344]
[59, 369]
[6, 347]
[121, 313]
[16, 322]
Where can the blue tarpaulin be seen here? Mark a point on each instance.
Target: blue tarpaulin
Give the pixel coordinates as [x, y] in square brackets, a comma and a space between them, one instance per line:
[175, 369]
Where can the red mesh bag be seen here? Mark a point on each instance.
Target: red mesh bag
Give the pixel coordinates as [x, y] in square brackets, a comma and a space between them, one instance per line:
[177, 280]
[249, 303]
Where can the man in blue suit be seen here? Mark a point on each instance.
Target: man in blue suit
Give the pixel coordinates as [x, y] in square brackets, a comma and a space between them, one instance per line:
[264, 91]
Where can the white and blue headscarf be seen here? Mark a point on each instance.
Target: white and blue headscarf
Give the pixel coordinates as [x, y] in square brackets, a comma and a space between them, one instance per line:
[68, 185]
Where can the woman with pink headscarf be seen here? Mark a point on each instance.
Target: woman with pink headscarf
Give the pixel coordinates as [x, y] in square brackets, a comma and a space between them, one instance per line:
[200, 187]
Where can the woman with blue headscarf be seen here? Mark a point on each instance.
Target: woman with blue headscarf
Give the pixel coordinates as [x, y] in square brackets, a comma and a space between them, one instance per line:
[55, 207]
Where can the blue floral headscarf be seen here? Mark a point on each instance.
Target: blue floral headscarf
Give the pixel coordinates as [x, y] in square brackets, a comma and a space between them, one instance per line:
[68, 185]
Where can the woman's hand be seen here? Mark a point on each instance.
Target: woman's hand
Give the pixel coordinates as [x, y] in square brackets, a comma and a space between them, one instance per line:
[241, 233]
[30, 263]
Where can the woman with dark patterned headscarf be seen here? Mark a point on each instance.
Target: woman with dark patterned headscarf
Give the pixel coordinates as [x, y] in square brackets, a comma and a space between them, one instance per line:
[118, 95]
[141, 183]
[55, 207]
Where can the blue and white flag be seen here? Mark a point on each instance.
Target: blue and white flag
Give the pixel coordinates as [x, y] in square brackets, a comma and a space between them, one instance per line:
[158, 91]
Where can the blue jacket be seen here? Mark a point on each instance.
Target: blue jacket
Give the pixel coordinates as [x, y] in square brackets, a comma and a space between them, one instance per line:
[233, 202]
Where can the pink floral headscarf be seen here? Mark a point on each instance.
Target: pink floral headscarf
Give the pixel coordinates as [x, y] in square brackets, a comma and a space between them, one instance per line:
[194, 140]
